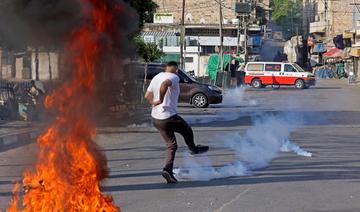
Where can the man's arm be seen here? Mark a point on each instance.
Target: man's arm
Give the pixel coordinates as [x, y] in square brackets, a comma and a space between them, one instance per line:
[163, 89]
[149, 96]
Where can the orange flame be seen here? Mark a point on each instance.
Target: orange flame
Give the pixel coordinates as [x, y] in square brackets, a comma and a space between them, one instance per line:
[70, 166]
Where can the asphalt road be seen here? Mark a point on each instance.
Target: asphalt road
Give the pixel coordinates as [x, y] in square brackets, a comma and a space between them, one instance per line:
[328, 117]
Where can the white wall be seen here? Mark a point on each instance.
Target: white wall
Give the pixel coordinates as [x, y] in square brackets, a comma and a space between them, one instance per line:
[44, 66]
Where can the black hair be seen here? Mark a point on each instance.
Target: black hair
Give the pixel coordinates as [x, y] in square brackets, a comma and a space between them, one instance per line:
[172, 64]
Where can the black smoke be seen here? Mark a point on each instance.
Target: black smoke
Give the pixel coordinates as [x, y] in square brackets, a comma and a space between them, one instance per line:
[49, 23]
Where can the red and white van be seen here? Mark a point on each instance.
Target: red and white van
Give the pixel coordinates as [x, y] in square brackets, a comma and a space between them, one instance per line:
[261, 74]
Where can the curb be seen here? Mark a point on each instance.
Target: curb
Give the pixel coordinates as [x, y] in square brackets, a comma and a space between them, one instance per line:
[16, 140]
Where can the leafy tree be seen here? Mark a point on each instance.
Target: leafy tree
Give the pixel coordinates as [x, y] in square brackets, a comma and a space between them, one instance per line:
[286, 13]
[149, 52]
[145, 8]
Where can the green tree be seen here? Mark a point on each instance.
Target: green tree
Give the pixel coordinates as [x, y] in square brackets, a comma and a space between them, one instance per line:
[287, 13]
[149, 52]
[145, 8]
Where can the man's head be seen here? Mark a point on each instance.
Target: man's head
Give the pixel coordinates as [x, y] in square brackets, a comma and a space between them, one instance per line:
[172, 67]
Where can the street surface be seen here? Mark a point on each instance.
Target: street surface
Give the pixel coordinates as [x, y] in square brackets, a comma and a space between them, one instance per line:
[327, 182]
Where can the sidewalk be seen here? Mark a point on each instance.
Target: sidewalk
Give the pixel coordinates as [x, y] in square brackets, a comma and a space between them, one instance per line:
[17, 133]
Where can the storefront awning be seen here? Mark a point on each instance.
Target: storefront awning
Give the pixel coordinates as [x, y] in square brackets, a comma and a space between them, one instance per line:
[334, 53]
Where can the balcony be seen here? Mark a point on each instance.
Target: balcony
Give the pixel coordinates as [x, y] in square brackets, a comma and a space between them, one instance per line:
[318, 27]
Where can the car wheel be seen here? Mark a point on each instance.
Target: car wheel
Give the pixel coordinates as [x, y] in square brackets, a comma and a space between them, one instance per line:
[300, 84]
[256, 83]
[199, 100]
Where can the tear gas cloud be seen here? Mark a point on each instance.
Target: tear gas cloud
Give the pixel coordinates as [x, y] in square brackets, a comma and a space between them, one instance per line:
[232, 98]
[261, 143]
[237, 97]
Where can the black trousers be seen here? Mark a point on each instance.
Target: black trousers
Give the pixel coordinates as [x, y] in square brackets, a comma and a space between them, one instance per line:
[167, 129]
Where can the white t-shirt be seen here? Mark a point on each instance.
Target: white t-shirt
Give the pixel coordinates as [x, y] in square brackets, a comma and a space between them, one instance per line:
[170, 103]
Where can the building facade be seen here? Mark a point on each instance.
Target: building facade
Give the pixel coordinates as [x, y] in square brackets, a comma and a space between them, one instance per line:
[202, 37]
[28, 65]
[197, 11]
[328, 18]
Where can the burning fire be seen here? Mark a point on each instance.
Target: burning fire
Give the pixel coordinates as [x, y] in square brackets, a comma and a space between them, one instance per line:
[70, 165]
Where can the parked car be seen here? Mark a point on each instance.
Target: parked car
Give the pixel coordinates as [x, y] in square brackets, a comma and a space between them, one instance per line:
[191, 91]
[261, 74]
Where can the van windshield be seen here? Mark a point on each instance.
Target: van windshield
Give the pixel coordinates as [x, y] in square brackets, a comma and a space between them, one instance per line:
[298, 68]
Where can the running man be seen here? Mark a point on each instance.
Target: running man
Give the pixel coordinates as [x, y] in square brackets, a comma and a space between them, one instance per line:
[163, 94]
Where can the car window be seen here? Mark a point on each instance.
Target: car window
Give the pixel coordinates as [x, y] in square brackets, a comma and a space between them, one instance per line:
[273, 67]
[152, 71]
[255, 67]
[289, 68]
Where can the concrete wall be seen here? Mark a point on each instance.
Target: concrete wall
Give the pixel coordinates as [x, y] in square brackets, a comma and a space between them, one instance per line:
[20, 69]
[341, 16]
[19, 66]
[47, 62]
[204, 60]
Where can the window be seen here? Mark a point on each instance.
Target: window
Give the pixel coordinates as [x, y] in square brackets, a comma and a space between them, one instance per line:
[289, 68]
[189, 60]
[206, 50]
[255, 67]
[273, 67]
[7, 57]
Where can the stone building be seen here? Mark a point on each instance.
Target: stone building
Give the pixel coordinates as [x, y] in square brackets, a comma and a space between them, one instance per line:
[207, 11]
[197, 11]
[330, 18]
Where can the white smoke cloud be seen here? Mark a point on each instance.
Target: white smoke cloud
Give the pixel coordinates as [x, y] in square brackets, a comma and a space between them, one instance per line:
[232, 98]
[255, 149]
[142, 125]
[237, 97]
[289, 146]
[218, 117]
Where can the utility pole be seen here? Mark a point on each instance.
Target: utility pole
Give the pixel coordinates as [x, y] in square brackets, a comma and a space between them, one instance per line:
[326, 18]
[182, 37]
[292, 19]
[246, 39]
[238, 38]
[221, 55]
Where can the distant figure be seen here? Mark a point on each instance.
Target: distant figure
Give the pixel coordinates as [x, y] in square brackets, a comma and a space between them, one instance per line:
[37, 91]
[163, 94]
[240, 75]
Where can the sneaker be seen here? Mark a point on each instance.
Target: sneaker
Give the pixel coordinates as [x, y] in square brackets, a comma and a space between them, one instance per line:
[169, 177]
[199, 149]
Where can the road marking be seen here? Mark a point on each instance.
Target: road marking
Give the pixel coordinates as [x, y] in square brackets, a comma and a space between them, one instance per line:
[231, 201]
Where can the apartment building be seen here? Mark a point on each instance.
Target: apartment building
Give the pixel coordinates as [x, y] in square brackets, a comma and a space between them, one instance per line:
[328, 18]
[197, 11]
